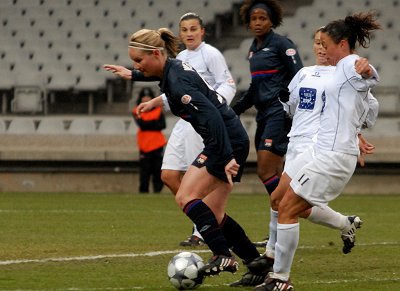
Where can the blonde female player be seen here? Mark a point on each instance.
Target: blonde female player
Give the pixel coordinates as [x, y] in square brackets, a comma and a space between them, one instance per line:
[320, 173]
[184, 144]
[205, 188]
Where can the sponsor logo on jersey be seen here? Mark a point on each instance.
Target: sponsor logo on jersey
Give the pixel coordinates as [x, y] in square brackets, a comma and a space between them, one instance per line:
[265, 49]
[186, 99]
[201, 159]
[268, 142]
[307, 98]
[290, 52]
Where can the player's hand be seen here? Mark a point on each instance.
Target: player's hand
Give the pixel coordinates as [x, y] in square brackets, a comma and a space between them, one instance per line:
[231, 170]
[363, 68]
[119, 71]
[144, 107]
[366, 148]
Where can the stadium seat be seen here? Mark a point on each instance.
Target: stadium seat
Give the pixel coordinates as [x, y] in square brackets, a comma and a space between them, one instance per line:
[132, 128]
[21, 126]
[2, 126]
[51, 126]
[27, 99]
[82, 126]
[112, 126]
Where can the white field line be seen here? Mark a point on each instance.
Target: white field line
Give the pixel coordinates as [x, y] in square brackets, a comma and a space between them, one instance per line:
[148, 254]
[96, 257]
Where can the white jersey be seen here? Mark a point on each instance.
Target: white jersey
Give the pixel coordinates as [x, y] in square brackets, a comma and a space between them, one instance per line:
[306, 99]
[346, 108]
[372, 114]
[211, 66]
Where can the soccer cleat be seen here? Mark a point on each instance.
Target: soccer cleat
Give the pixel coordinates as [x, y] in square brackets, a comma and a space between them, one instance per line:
[349, 233]
[261, 265]
[192, 241]
[274, 284]
[248, 279]
[218, 264]
[260, 244]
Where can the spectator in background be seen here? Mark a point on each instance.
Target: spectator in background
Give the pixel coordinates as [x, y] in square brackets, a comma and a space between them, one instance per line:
[151, 142]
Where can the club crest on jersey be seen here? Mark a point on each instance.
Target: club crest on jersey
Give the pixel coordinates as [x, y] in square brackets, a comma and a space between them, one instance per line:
[268, 142]
[290, 52]
[201, 159]
[186, 99]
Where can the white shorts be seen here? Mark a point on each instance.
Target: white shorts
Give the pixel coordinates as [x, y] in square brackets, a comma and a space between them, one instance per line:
[322, 175]
[184, 144]
[296, 146]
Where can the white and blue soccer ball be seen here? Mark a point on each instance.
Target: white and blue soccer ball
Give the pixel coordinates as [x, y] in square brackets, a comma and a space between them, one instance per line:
[183, 271]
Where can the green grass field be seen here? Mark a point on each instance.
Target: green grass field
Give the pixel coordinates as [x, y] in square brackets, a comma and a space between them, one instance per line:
[124, 242]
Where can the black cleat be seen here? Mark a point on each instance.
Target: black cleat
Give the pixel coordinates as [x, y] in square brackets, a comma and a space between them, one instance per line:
[261, 265]
[274, 284]
[192, 241]
[348, 235]
[218, 264]
[248, 279]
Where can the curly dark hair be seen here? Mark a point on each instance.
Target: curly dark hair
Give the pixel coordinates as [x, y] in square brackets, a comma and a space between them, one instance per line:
[275, 7]
[355, 28]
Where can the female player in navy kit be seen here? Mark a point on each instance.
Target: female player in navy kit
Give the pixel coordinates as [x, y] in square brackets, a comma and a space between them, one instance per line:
[204, 190]
[321, 173]
[273, 63]
[184, 143]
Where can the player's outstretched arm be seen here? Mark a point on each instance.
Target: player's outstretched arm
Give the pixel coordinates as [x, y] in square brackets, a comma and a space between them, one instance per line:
[120, 71]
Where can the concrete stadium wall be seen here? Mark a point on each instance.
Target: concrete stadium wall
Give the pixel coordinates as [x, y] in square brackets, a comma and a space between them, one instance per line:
[120, 182]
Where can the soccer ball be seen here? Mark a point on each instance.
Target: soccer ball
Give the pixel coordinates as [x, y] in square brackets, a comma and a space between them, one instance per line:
[183, 271]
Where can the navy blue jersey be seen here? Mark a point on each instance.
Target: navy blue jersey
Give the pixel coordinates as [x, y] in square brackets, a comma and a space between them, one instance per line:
[272, 67]
[192, 99]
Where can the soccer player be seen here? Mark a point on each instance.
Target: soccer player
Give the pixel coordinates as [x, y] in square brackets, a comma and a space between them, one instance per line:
[184, 143]
[320, 173]
[274, 61]
[305, 105]
[205, 188]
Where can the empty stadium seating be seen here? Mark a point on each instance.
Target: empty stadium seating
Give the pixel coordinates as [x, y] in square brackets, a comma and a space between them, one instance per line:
[60, 46]
[56, 44]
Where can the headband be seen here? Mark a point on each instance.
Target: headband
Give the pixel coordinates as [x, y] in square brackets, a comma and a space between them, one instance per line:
[143, 46]
[261, 6]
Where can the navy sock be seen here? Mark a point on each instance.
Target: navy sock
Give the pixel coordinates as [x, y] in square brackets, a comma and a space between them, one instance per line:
[271, 183]
[238, 240]
[207, 225]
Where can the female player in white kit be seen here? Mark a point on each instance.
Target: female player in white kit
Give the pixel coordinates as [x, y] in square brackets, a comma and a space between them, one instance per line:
[320, 173]
[305, 104]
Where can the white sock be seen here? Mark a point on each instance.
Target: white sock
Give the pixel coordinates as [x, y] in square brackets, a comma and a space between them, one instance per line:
[328, 217]
[196, 232]
[285, 248]
[270, 249]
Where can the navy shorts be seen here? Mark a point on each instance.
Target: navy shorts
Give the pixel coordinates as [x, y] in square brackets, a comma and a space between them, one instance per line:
[271, 134]
[216, 165]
